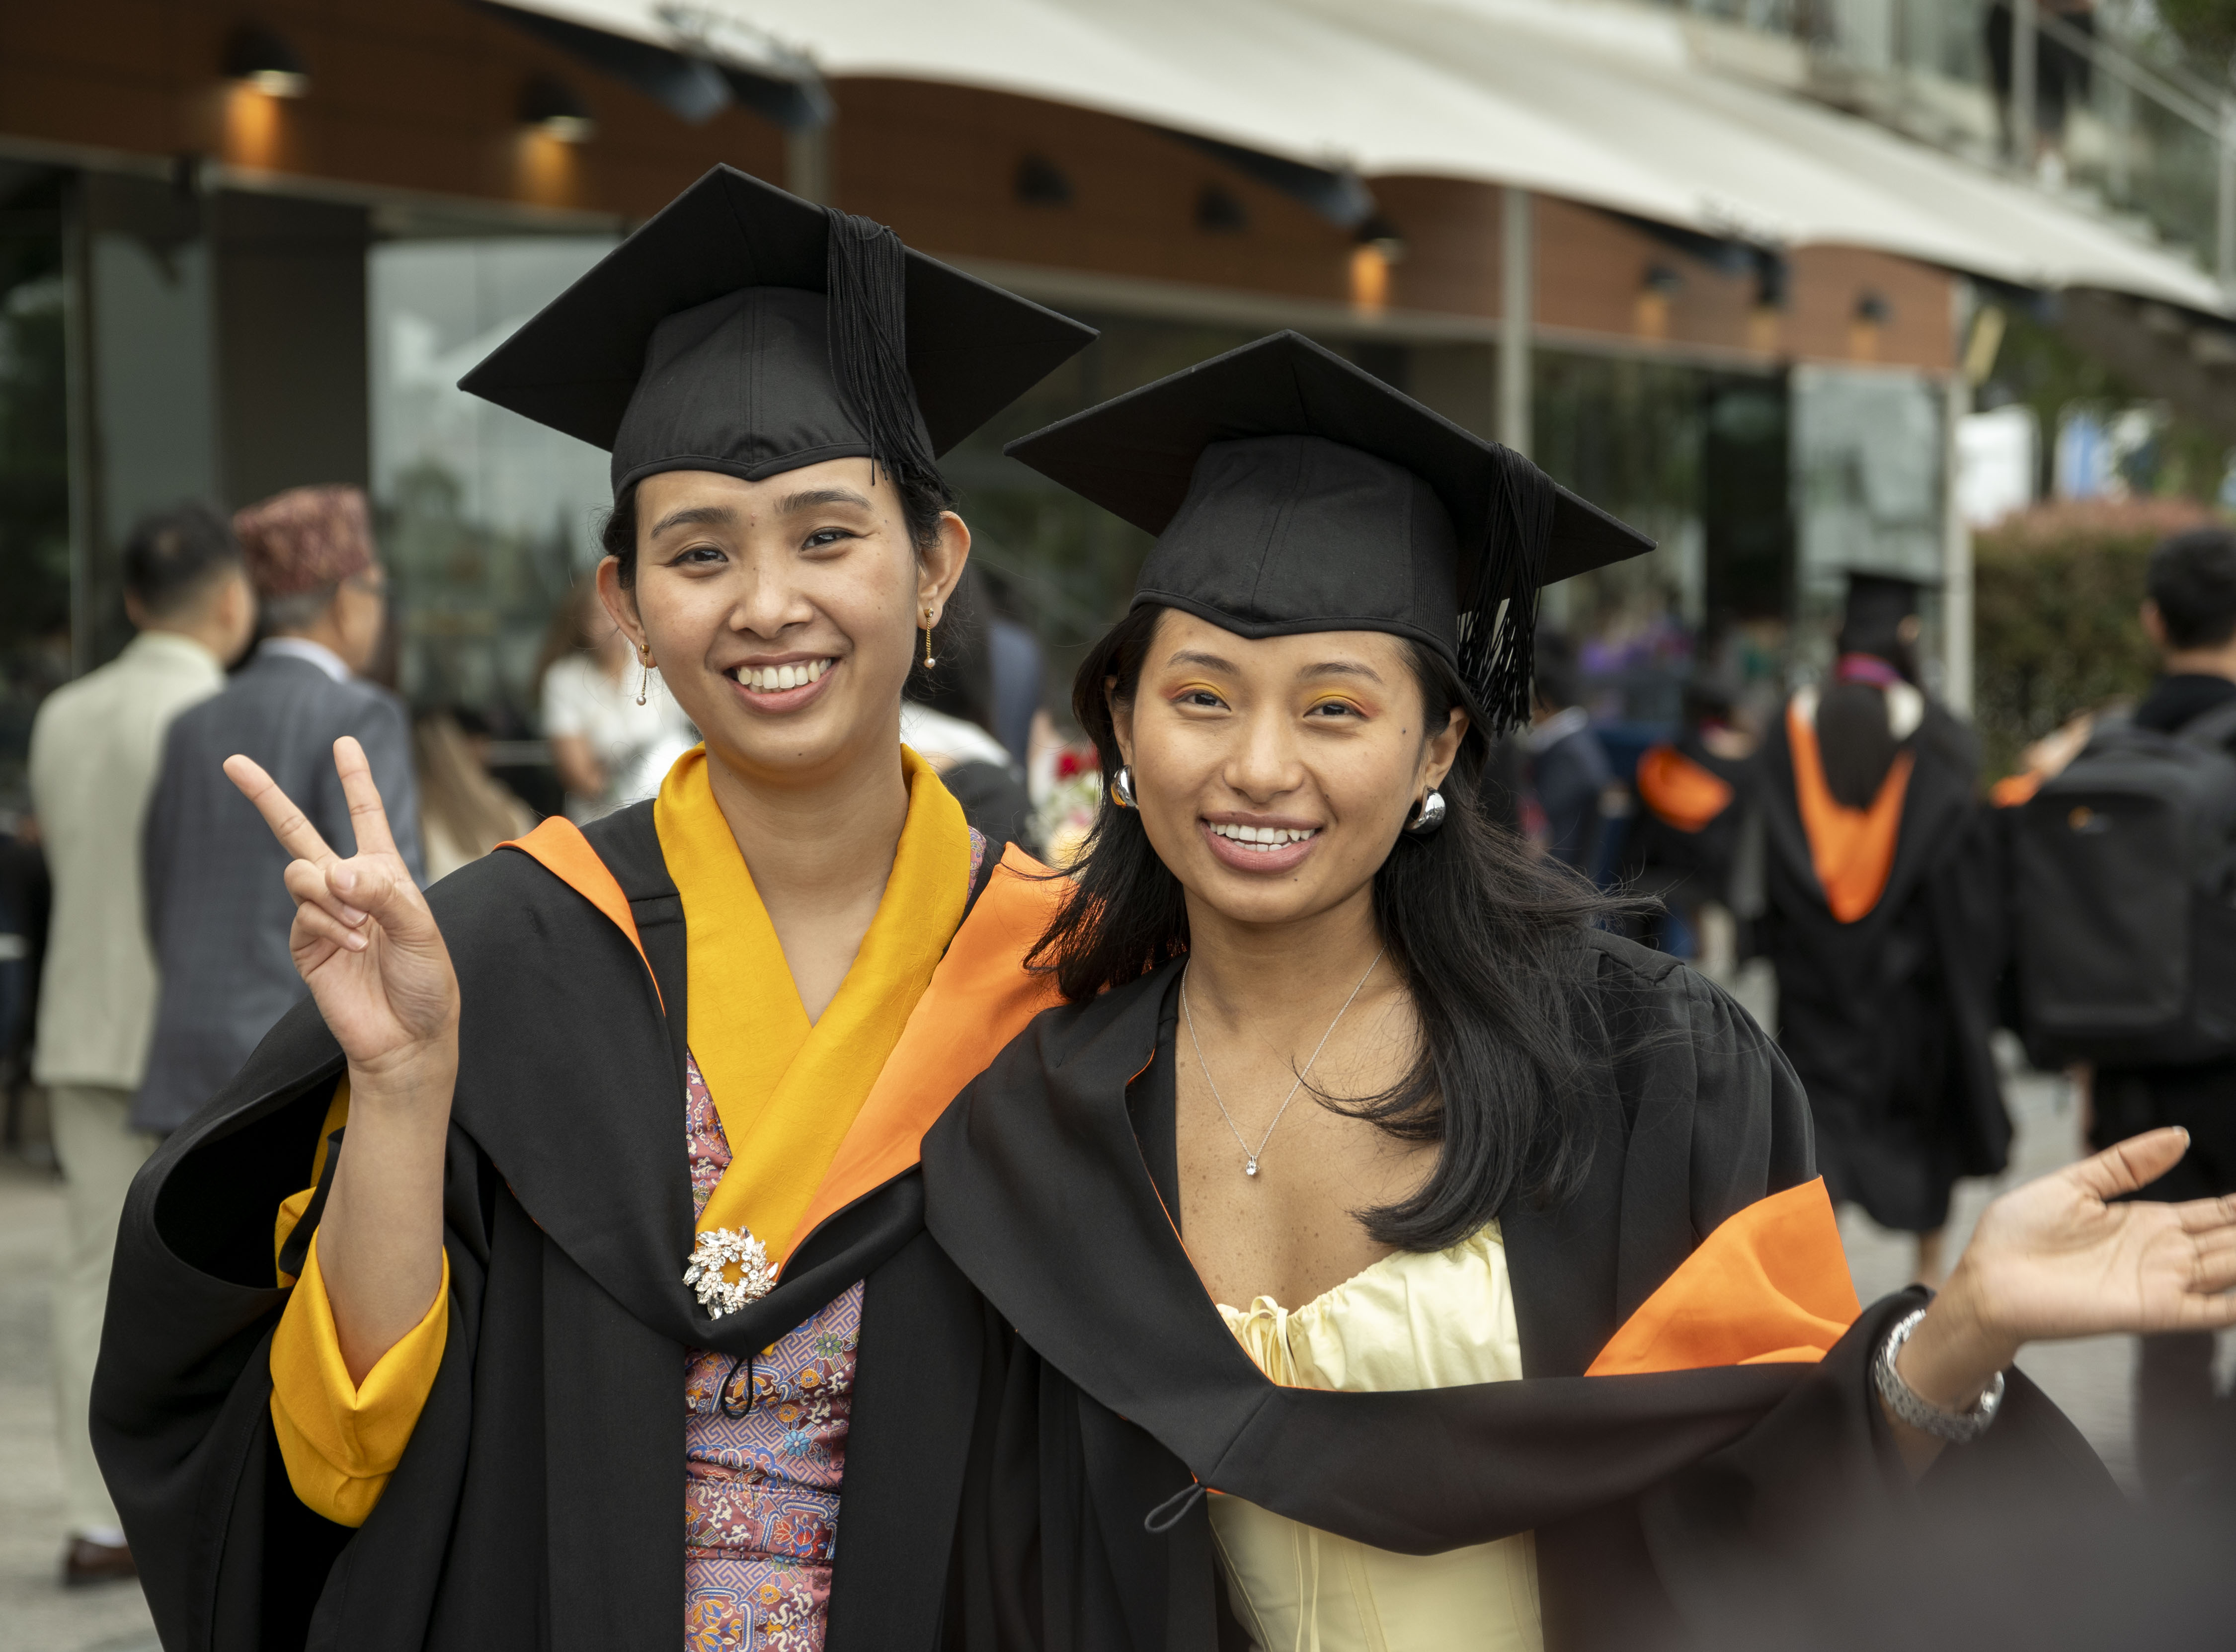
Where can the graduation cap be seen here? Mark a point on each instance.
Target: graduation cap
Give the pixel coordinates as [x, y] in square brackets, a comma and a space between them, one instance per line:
[745, 330]
[1876, 605]
[1292, 491]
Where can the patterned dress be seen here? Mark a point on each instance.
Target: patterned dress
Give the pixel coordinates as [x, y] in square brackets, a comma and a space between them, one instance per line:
[760, 1496]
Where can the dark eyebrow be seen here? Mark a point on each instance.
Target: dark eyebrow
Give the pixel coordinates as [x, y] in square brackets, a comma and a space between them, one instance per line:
[815, 497]
[1342, 668]
[1326, 668]
[694, 515]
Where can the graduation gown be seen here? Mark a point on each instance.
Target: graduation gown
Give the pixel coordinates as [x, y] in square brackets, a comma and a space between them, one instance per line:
[1692, 806]
[1887, 1017]
[1113, 1393]
[538, 1504]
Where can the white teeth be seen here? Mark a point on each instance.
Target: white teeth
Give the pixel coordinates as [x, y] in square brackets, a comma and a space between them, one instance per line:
[775, 679]
[1263, 839]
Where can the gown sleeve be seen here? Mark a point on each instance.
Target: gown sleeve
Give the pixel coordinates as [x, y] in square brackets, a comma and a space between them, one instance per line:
[339, 1440]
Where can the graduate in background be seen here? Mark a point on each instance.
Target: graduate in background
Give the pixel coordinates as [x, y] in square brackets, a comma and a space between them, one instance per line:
[1880, 895]
[1572, 786]
[595, 1161]
[1692, 799]
[1469, 1257]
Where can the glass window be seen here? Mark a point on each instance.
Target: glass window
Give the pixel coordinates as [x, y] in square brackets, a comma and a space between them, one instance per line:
[486, 518]
[35, 543]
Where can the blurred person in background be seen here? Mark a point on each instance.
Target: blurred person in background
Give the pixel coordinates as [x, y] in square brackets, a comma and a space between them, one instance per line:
[95, 748]
[26, 895]
[614, 729]
[948, 718]
[217, 908]
[1880, 900]
[1019, 669]
[464, 811]
[1692, 794]
[1569, 776]
[2183, 1432]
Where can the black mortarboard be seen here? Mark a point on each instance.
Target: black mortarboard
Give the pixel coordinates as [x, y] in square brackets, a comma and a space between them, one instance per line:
[746, 331]
[1292, 491]
[1877, 606]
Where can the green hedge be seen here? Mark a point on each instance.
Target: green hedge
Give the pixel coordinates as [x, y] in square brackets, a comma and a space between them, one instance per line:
[2058, 588]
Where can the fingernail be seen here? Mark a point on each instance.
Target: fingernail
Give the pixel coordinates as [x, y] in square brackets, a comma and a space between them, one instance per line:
[343, 878]
[351, 915]
[355, 941]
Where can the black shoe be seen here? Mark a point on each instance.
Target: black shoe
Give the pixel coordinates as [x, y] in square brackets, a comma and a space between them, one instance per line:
[86, 1562]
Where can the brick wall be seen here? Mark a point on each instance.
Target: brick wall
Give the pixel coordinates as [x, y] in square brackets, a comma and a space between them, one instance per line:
[421, 96]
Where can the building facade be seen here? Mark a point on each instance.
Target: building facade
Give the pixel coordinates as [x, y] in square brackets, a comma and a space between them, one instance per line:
[244, 248]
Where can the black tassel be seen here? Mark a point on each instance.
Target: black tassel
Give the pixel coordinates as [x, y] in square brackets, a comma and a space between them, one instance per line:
[1498, 620]
[866, 275]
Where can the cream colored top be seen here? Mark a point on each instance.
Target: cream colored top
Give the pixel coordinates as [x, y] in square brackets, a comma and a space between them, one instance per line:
[96, 748]
[1411, 1320]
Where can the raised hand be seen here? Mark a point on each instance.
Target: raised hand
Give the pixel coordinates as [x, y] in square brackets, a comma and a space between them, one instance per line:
[363, 937]
[365, 940]
[2055, 1259]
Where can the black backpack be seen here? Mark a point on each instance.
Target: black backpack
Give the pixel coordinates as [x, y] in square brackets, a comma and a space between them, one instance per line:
[2124, 884]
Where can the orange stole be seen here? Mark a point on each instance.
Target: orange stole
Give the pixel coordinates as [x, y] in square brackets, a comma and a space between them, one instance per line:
[1770, 1286]
[2015, 791]
[560, 848]
[1679, 790]
[1852, 849]
[980, 996]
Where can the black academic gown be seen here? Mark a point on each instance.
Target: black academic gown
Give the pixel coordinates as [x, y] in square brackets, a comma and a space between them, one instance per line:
[1887, 1019]
[1112, 1387]
[539, 1505]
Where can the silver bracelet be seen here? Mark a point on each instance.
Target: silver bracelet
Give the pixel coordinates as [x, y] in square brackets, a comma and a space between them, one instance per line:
[1957, 1427]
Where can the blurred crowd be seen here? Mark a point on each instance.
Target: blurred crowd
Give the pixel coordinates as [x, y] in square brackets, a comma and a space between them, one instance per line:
[2085, 904]
[1905, 910]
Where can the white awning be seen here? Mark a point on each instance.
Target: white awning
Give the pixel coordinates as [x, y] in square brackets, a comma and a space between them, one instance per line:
[1596, 103]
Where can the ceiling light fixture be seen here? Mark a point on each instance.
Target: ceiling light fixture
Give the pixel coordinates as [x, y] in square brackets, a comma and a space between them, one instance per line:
[262, 58]
[1385, 237]
[1041, 182]
[551, 106]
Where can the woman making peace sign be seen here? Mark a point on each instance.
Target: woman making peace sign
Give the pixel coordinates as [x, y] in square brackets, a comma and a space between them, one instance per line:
[610, 1121]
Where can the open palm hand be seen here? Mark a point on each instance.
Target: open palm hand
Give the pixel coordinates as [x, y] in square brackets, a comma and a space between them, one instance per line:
[2056, 1258]
[363, 937]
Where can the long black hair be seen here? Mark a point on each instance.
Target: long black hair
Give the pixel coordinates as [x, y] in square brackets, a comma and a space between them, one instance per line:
[1483, 934]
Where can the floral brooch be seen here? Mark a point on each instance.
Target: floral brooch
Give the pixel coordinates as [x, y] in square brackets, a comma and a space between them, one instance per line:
[717, 1249]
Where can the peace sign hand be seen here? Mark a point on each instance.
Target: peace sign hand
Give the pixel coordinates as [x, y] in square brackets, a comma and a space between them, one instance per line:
[363, 937]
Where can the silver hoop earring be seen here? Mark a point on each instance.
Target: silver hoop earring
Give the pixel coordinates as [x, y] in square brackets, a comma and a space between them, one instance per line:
[1121, 788]
[1428, 816]
[644, 673]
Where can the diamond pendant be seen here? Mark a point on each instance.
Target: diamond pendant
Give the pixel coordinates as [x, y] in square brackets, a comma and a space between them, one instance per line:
[1251, 1168]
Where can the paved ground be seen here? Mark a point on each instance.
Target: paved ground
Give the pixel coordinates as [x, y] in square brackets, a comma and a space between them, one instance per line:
[36, 1614]
[2089, 1380]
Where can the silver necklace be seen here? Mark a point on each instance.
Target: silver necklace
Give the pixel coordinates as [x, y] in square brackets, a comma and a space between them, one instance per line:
[1249, 1158]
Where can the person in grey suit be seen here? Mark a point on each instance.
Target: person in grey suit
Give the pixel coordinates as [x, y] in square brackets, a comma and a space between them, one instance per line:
[218, 909]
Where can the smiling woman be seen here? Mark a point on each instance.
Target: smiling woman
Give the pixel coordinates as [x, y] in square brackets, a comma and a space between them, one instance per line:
[631, 1113]
[1358, 1148]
